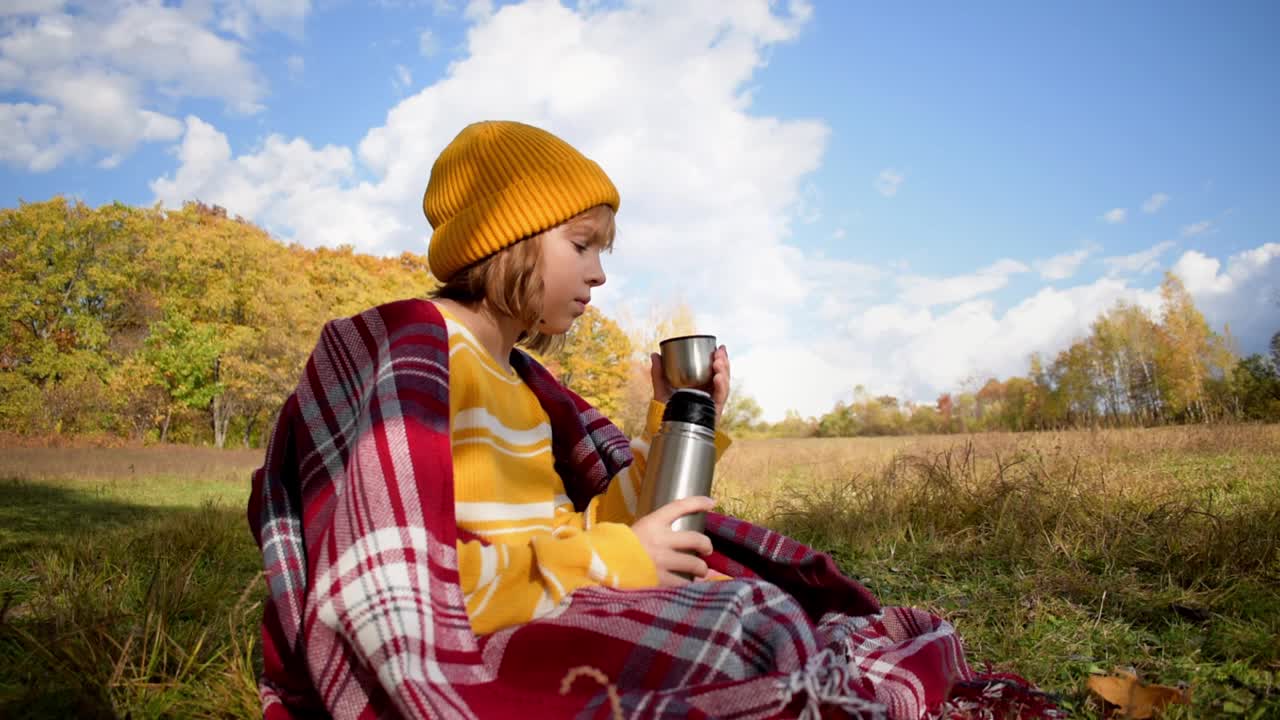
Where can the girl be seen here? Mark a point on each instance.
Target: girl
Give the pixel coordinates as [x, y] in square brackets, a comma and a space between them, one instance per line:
[521, 220]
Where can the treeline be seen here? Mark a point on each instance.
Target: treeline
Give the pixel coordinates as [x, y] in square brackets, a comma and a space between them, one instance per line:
[1132, 369]
[190, 326]
[171, 326]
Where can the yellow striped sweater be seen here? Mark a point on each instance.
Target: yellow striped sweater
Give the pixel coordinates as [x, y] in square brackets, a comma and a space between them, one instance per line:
[507, 492]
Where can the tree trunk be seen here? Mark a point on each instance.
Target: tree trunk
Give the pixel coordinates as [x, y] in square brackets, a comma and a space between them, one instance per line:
[248, 431]
[222, 412]
[164, 429]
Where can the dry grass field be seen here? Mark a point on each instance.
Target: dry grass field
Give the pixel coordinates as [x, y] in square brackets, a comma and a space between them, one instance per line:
[129, 584]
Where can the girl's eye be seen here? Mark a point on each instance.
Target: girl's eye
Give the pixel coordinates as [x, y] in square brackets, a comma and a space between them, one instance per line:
[581, 248]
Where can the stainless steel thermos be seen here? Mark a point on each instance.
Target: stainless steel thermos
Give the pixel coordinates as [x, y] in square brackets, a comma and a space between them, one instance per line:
[682, 456]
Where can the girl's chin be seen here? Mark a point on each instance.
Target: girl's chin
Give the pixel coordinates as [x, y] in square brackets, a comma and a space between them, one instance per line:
[558, 327]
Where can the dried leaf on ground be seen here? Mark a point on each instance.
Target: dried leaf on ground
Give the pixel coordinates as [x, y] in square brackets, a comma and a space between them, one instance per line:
[1132, 698]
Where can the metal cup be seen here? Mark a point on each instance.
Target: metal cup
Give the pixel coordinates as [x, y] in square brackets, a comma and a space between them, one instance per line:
[686, 360]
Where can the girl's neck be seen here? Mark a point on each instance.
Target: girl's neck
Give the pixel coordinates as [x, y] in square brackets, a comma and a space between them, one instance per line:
[495, 332]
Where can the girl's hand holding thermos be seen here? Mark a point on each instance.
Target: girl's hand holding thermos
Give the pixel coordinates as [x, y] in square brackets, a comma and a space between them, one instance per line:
[676, 554]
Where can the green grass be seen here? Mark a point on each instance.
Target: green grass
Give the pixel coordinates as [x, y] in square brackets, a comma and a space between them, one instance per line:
[136, 592]
[127, 598]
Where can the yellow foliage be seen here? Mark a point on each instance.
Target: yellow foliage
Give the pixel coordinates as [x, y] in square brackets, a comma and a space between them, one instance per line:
[594, 361]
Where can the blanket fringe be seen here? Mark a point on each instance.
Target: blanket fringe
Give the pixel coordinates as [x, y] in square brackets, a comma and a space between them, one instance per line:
[825, 681]
[998, 696]
[615, 703]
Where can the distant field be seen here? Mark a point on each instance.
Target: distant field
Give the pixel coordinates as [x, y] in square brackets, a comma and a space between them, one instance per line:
[130, 584]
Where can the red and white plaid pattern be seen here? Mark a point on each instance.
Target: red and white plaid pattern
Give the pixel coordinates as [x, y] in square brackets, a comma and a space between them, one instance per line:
[353, 511]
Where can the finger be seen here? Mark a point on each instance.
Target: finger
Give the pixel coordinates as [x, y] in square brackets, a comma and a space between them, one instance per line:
[689, 540]
[685, 563]
[661, 390]
[720, 392]
[722, 385]
[671, 580]
[677, 509]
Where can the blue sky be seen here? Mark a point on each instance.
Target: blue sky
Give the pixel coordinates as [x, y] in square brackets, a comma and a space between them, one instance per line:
[904, 197]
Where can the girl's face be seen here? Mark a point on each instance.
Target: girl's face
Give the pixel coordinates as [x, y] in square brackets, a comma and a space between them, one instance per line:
[571, 267]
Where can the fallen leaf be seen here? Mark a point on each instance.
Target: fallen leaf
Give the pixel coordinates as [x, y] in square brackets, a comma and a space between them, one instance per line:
[1134, 699]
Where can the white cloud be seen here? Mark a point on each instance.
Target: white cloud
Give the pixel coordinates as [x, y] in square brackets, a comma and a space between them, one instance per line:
[478, 10]
[243, 17]
[809, 204]
[1202, 277]
[286, 185]
[1245, 294]
[103, 69]
[926, 291]
[403, 79]
[888, 182]
[1143, 261]
[974, 340]
[838, 234]
[1115, 215]
[1196, 228]
[31, 134]
[427, 44]
[296, 65]
[918, 352]
[1155, 202]
[806, 378]
[1062, 266]
[31, 7]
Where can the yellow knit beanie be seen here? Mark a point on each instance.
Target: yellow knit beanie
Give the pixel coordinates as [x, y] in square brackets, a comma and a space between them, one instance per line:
[500, 182]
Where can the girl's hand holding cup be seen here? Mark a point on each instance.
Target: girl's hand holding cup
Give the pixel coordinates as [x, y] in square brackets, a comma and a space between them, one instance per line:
[682, 364]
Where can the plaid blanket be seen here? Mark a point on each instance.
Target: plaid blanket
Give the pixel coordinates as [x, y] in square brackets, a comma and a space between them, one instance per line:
[353, 512]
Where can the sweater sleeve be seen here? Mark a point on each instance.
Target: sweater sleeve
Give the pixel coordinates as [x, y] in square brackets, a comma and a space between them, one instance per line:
[528, 580]
[618, 502]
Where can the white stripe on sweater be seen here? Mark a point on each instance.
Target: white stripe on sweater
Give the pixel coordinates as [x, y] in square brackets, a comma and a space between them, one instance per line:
[481, 419]
[500, 511]
[500, 448]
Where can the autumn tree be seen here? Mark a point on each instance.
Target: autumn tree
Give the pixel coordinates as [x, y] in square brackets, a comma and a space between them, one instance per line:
[184, 358]
[1190, 353]
[1128, 343]
[594, 361]
[1016, 404]
[741, 411]
[1075, 391]
[1255, 384]
[644, 335]
[70, 281]
[793, 425]
[945, 407]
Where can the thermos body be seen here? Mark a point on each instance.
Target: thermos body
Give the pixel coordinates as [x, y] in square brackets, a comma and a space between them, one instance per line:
[681, 463]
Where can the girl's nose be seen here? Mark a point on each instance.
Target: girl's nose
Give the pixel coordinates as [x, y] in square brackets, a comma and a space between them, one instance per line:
[595, 274]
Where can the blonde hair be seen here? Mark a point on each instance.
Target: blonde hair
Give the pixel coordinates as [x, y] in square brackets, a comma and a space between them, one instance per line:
[510, 281]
